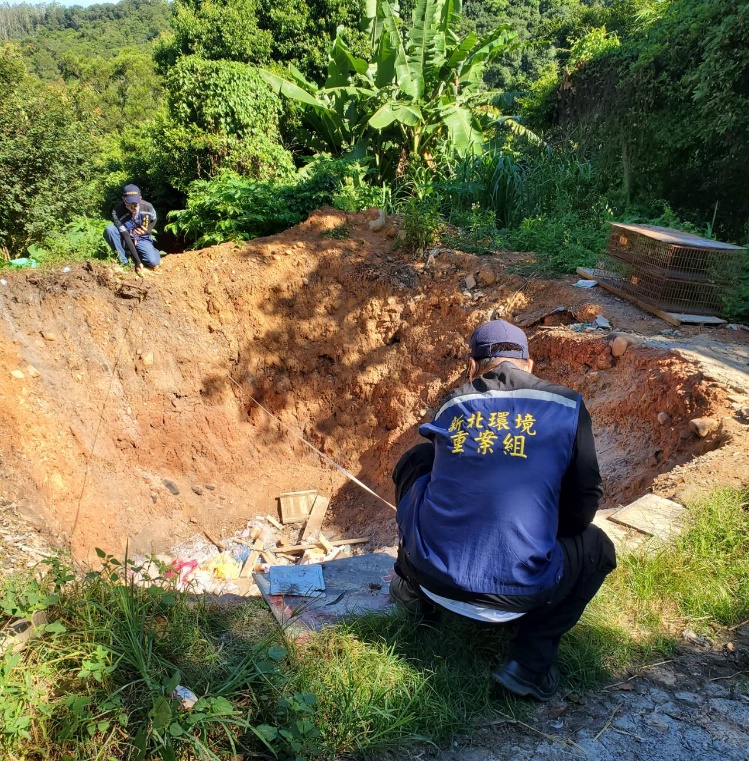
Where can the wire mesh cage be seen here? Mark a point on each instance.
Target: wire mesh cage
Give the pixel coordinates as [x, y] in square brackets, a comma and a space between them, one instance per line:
[671, 270]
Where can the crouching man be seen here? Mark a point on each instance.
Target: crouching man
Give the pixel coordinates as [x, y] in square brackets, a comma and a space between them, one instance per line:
[133, 218]
[494, 513]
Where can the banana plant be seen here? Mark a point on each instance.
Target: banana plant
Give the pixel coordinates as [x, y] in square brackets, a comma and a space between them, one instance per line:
[420, 94]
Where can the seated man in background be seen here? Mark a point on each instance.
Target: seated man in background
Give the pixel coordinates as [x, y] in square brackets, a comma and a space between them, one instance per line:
[494, 514]
[135, 218]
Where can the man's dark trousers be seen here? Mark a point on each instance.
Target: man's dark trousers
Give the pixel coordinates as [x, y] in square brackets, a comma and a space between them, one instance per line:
[588, 558]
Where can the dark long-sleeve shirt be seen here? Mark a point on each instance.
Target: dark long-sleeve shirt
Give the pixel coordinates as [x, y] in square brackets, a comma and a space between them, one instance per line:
[145, 217]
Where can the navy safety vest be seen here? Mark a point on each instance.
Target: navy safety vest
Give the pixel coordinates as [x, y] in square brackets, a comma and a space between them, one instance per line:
[485, 520]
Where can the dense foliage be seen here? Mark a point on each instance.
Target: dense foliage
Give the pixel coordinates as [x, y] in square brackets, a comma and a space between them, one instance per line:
[45, 165]
[416, 97]
[666, 112]
[629, 109]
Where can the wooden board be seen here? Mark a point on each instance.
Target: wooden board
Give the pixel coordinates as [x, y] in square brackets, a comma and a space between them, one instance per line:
[672, 318]
[316, 517]
[291, 548]
[296, 505]
[653, 515]
[249, 564]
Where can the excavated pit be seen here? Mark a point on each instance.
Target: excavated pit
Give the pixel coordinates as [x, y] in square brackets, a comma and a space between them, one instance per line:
[348, 342]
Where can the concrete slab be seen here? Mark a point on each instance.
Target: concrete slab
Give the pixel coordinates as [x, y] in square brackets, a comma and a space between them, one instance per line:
[353, 586]
[623, 537]
[652, 515]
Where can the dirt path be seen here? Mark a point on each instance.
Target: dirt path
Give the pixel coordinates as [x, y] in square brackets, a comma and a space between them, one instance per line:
[695, 705]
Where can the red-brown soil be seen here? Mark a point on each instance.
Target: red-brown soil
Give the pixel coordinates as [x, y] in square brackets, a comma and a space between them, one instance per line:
[348, 341]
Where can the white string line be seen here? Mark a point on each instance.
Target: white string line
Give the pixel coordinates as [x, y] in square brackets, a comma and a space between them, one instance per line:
[101, 418]
[325, 457]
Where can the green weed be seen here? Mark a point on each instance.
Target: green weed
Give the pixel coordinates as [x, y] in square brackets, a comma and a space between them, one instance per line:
[339, 232]
[80, 239]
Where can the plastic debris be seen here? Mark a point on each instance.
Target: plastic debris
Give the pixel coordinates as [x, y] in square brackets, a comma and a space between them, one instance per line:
[3, 282]
[66, 269]
[223, 566]
[602, 322]
[23, 262]
[585, 284]
[187, 697]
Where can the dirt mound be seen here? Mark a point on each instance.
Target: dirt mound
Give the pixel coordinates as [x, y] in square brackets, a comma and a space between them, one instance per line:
[140, 425]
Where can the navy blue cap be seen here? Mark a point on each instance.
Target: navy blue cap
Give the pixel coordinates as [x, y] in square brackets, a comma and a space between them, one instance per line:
[496, 332]
[131, 194]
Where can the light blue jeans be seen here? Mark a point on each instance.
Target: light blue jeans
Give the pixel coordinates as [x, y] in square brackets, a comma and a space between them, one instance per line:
[148, 253]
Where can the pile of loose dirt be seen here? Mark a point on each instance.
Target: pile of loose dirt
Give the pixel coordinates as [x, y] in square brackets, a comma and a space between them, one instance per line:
[136, 421]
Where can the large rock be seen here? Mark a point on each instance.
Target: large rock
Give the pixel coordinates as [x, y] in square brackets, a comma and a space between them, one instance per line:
[486, 277]
[702, 426]
[619, 346]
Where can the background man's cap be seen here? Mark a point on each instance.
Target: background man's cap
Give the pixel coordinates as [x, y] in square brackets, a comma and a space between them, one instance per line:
[498, 332]
[131, 194]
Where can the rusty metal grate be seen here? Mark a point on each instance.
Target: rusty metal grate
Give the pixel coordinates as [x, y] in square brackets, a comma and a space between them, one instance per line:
[671, 270]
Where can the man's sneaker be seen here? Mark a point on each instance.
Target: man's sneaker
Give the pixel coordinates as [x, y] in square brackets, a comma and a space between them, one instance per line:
[526, 683]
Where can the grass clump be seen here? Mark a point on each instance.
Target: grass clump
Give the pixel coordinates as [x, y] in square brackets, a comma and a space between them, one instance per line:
[698, 581]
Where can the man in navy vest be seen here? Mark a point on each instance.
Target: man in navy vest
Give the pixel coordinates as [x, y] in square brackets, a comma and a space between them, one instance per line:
[494, 514]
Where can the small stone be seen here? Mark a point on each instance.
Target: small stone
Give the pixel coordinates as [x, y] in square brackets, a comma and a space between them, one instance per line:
[618, 346]
[170, 485]
[148, 359]
[702, 426]
[470, 282]
[17, 374]
[221, 496]
[33, 372]
[198, 489]
[486, 277]
[337, 304]
[154, 497]
[193, 519]
[49, 336]
[664, 418]
[391, 232]
[210, 487]
[401, 235]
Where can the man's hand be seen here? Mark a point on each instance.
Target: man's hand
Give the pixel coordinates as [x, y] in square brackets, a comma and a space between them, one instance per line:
[142, 230]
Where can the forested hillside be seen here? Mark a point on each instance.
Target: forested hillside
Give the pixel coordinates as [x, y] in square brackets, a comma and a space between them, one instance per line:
[524, 124]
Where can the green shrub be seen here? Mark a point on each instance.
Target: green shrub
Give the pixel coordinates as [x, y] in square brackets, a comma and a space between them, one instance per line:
[561, 243]
[80, 239]
[422, 224]
[45, 156]
[232, 207]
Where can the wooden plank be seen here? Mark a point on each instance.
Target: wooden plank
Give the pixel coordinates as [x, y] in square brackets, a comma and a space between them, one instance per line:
[697, 319]
[666, 316]
[296, 505]
[273, 522]
[251, 562]
[316, 517]
[653, 515]
[326, 545]
[293, 548]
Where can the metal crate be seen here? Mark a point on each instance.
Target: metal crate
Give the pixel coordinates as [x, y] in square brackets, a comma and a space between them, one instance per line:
[668, 294]
[669, 269]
